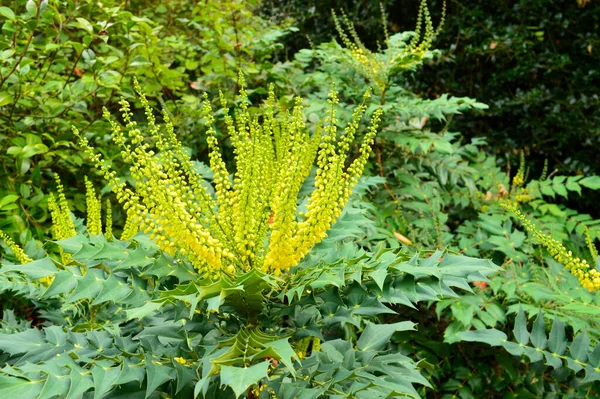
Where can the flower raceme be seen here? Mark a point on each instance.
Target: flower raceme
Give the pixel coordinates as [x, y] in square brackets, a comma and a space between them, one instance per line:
[380, 67]
[587, 275]
[251, 219]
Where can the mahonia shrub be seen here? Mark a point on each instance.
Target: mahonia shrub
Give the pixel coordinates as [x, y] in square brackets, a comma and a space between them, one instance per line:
[251, 220]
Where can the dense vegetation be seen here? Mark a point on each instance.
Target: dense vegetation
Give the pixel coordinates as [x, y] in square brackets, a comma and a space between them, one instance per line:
[228, 199]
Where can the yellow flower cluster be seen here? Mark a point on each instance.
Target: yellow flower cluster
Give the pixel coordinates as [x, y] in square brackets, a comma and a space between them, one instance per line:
[17, 250]
[252, 220]
[108, 222]
[94, 209]
[62, 223]
[588, 276]
[380, 67]
[519, 178]
[22, 257]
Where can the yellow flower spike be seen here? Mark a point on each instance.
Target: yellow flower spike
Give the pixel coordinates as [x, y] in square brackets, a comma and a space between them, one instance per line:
[380, 67]
[22, 257]
[93, 206]
[17, 250]
[587, 276]
[62, 223]
[108, 222]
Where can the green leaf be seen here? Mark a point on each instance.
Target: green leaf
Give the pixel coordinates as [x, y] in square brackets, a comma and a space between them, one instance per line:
[280, 350]
[104, 377]
[185, 374]
[560, 190]
[63, 282]
[23, 342]
[7, 13]
[31, 6]
[86, 25]
[54, 386]
[8, 199]
[520, 329]
[375, 336]
[88, 287]
[11, 387]
[113, 289]
[580, 346]
[538, 332]
[558, 341]
[81, 381]
[490, 336]
[582, 308]
[573, 186]
[37, 269]
[242, 378]
[141, 312]
[592, 182]
[156, 374]
[5, 98]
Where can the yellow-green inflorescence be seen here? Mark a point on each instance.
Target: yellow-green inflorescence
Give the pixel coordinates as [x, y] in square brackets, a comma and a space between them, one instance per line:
[62, 223]
[251, 220]
[108, 233]
[94, 209]
[587, 275]
[380, 67]
[22, 257]
[17, 250]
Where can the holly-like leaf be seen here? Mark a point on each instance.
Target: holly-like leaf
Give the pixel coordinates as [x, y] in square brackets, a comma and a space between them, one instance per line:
[156, 374]
[376, 336]
[490, 336]
[113, 289]
[242, 378]
[558, 340]
[538, 332]
[88, 286]
[141, 312]
[104, 377]
[12, 387]
[520, 329]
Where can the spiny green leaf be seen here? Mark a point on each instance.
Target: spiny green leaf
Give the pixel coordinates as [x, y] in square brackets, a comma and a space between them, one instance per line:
[104, 376]
[558, 341]
[156, 374]
[113, 289]
[81, 381]
[141, 312]
[88, 287]
[23, 342]
[185, 374]
[376, 336]
[63, 282]
[538, 332]
[11, 387]
[55, 386]
[282, 351]
[242, 378]
[36, 269]
[520, 328]
[491, 336]
[580, 346]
